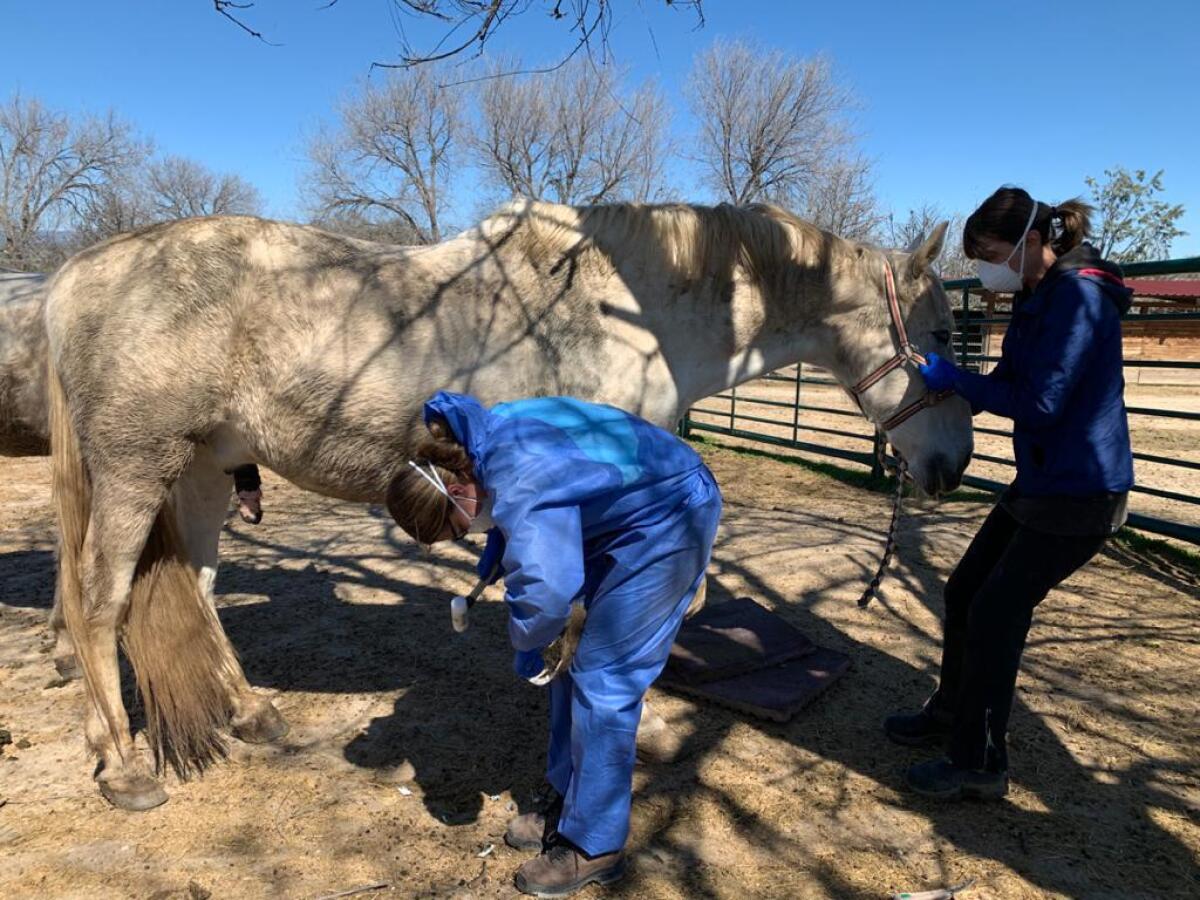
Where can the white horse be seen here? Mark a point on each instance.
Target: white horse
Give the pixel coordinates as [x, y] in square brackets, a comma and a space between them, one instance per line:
[24, 419]
[187, 349]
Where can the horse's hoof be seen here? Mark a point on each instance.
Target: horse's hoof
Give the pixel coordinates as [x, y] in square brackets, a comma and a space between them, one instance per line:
[136, 792]
[68, 667]
[250, 506]
[657, 743]
[263, 726]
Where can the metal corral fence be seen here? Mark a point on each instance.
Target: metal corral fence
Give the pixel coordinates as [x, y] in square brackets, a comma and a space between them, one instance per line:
[801, 408]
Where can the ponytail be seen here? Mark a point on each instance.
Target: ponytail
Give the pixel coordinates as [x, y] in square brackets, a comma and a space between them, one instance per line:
[1075, 225]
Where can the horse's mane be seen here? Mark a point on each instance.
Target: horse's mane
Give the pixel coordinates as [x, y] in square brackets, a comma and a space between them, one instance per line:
[697, 242]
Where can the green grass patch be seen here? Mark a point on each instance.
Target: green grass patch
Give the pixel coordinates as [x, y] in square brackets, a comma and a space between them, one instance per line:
[1157, 548]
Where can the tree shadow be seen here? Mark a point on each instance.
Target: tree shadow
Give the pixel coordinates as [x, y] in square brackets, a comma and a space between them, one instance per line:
[27, 578]
[471, 728]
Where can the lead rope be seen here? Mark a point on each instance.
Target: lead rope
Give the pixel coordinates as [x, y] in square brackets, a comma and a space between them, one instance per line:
[900, 470]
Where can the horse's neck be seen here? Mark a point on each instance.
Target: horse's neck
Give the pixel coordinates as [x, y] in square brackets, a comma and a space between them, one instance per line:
[714, 363]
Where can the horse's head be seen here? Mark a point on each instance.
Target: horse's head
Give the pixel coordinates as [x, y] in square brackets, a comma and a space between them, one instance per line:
[874, 364]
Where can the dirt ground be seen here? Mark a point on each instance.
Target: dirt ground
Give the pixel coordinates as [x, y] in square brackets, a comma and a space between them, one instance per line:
[411, 746]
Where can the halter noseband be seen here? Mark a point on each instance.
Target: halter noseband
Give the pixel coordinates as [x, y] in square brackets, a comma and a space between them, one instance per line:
[906, 352]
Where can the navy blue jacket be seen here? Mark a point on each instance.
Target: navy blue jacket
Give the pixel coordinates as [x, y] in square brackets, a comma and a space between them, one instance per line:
[1060, 380]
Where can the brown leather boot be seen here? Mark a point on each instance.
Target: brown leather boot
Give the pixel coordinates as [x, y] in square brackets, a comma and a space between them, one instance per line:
[532, 830]
[563, 870]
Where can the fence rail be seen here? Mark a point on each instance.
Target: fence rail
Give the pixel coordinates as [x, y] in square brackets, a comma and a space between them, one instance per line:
[744, 406]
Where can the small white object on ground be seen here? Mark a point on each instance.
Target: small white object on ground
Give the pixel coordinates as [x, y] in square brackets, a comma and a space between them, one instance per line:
[404, 792]
[486, 851]
[458, 613]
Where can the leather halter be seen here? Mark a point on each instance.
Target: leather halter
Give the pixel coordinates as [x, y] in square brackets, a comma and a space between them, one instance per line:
[906, 352]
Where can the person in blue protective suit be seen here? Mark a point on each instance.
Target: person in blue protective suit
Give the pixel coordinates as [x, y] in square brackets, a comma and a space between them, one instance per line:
[1060, 380]
[581, 502]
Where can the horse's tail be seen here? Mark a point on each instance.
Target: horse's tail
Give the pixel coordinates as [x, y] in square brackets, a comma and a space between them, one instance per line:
[71, 490]
[180, 655]
[183, 662]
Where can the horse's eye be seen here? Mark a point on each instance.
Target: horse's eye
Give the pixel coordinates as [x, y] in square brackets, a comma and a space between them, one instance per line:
[942, 336]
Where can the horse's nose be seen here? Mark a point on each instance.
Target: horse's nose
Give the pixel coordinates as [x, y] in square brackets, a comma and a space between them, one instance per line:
[943, 474]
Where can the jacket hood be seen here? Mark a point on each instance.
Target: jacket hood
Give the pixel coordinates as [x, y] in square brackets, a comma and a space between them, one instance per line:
[467, 418]
[1085, 262]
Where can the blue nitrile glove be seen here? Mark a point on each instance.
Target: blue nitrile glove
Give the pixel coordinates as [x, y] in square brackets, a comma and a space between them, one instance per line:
[528, 663]
[940, 374]
[489, 567]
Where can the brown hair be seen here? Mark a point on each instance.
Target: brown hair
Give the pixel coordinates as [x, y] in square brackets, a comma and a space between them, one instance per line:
[1002, 216]
[417, 506]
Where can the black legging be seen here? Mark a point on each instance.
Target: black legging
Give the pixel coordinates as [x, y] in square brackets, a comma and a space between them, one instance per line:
[1007, 571]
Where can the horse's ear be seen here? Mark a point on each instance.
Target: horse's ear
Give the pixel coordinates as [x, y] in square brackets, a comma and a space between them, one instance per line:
[923, 256]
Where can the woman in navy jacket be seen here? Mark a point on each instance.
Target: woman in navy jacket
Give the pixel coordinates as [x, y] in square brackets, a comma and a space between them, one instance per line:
[1060, 380]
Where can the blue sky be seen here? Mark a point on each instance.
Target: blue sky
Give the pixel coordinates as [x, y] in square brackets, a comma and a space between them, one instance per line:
[956, 97]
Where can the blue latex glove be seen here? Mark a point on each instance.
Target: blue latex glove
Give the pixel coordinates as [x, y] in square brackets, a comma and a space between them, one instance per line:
[528, 663]
[940, 374]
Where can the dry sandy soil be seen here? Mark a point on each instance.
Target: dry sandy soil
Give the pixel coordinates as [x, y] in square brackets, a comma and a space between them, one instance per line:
[411, 746]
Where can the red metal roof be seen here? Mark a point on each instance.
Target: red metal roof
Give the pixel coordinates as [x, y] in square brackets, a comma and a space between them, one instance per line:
[1169, 290]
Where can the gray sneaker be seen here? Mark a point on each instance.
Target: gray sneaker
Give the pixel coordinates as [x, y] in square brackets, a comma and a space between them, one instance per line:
[940, 779]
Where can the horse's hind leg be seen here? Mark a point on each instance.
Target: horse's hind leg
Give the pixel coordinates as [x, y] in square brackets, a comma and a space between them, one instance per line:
[117, 532]
[201, 499]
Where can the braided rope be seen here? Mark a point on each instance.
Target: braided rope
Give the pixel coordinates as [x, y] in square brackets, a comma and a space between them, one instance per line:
[900, 471]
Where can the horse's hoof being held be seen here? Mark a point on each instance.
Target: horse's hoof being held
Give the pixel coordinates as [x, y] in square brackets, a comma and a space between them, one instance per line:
[263, 726]
[656, 741]
[67, 667]
[250, 506]
[134, 789]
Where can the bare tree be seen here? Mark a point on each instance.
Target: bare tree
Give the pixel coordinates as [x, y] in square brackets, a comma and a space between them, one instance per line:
[180, 188]
[841, 199]
[470, 24]
[119, 205]
[50, 167]
[912, 230]
[572, 135]
[771, 125]
[392, 156]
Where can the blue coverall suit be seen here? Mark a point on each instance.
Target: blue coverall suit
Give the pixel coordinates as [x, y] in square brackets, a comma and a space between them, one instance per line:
[590, 503]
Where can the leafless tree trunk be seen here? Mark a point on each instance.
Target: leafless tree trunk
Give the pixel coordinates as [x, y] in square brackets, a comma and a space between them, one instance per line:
[772, 129]
[180, 188]
[49, 168]
[392, 156]
[571, 135]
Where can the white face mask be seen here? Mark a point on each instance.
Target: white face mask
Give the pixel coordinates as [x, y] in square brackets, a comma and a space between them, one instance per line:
[483, 519]
[999, 277]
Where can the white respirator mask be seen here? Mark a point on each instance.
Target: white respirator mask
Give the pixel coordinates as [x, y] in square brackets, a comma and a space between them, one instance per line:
[999, 277]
